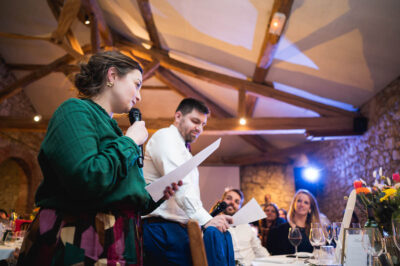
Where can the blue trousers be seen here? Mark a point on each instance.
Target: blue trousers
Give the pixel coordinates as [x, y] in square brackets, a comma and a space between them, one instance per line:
[167, 243]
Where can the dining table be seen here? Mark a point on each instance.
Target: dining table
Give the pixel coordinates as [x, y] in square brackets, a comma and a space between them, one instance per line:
[288, 260]
[6, 251]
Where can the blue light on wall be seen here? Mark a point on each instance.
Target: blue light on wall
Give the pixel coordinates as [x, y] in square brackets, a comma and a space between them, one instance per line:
[310, 174]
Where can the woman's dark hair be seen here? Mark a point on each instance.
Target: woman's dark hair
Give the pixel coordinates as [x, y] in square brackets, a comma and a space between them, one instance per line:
[276, 209]
[92, 77]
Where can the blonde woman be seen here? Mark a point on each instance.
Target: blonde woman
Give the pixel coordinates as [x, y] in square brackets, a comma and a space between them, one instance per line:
[302, 213]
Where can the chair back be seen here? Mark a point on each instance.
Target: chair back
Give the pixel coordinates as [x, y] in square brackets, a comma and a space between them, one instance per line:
[199, 257]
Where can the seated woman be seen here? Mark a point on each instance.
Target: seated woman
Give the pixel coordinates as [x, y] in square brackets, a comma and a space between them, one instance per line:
[303, 211]
[272, 220]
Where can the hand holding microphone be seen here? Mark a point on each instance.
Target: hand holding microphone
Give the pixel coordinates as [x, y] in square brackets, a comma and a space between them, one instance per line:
[137, 131]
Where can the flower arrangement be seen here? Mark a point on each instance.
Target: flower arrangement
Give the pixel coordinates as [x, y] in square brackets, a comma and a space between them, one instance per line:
[383, 198]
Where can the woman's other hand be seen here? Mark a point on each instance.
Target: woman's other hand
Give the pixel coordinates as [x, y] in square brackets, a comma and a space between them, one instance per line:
[170, 190]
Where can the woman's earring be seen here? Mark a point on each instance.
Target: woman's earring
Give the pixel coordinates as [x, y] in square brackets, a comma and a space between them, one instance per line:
[109, 84]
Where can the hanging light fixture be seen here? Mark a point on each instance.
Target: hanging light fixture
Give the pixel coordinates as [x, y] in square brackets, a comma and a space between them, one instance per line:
[277, 22]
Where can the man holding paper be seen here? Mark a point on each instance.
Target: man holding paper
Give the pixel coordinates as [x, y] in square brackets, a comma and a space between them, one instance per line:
[165, 235]
[247, 246]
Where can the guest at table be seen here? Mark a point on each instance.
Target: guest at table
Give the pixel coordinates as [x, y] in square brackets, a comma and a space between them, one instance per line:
[3, 215]
[93, 192]
[283, 213]
[302, 212]
[272, 220]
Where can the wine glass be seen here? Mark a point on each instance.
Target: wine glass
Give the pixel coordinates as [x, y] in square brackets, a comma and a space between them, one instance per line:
[295, 238]
[317, 239]
[336, 231]
[372, 243]
[396, 233]
[328, 232]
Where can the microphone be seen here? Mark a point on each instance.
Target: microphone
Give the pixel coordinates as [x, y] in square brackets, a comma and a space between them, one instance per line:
[220, 208]
[135, 115]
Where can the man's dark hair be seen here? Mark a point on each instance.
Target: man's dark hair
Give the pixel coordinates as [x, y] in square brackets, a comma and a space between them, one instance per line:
[188, 104]
[238, 191]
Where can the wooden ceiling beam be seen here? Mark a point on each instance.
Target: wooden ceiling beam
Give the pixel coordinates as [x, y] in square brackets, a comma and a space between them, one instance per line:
[268, 50]
[147, 15]
[183, 88]
[242, 103]
[67, 15]
[246, 159]
[17, 86]
[32, 67]
[155, 88]
[72, 45]
[231, 82]
[149, 69]
[219, 126]
[270, 43]
[99, 25]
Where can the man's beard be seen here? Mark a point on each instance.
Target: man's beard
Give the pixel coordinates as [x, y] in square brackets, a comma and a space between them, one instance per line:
[229, 213]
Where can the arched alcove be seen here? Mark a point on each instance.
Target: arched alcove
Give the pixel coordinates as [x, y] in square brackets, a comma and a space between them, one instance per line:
[14, 186]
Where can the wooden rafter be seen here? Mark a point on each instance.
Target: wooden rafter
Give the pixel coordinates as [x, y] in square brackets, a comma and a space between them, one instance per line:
[147, 15]
[17, 86]
[270, 42]
[183, 88]
[100, 28]
[71, 45]
[268, 51]
[231, 82]
[155, 88]
[241, 103]
[150, 69]
[186, 90]
[68, 14]
[215, 126]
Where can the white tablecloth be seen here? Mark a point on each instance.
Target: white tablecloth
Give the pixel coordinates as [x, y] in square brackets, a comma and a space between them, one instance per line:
[281, 260]
[5, 251]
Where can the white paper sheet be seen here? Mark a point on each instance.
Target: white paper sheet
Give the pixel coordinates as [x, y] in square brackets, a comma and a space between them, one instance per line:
[248, 213]
[156, 189]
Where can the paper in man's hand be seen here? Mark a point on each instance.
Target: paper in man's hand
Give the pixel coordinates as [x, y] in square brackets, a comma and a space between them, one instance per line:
[248, 213]
[156, 189]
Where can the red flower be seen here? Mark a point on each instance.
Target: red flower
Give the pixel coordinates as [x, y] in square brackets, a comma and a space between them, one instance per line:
[396, 177]
[357, 184]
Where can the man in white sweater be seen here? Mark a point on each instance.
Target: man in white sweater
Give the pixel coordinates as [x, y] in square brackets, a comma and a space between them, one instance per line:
[247, 246]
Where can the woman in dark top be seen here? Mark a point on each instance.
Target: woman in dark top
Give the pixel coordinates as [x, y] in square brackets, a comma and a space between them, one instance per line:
[93, 192]
[272, 220]
[302, 213]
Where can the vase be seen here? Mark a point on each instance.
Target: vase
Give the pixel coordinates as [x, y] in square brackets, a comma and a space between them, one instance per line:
[391, 255]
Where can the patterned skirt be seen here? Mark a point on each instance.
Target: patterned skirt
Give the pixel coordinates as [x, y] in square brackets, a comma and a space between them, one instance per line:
[58, 238]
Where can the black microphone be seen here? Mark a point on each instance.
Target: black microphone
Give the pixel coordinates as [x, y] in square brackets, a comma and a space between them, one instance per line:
[220, 208]
[135, 115]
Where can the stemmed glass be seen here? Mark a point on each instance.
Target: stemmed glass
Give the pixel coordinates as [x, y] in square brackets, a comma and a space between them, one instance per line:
[372, 243]
[328, 232]
[295, 238]
[336, 231]
[317, 239]
[396, 233]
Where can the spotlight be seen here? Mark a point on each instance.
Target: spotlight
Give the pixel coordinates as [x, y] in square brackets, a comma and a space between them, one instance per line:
[87, 20]
[37, 118]
[242, 121]
[310, 174]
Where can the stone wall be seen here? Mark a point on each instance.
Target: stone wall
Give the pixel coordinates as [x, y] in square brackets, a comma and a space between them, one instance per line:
[274, 179]
[20, 172]
[343, 161]
[349, 159]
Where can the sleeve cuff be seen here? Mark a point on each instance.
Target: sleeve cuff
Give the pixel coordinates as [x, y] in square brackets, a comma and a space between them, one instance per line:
[202, 216]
